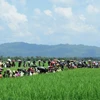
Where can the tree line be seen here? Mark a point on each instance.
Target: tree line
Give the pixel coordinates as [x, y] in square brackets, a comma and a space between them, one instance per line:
[47, 58]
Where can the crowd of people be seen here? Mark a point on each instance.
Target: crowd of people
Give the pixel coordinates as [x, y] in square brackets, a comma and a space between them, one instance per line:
[29, 68]
[26, 68]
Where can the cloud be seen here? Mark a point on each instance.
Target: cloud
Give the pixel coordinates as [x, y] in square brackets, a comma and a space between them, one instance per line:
[66, 12]
[1, 28]
[71, 25]
[18, 2]
[78, 23]
[15, 20]
[23, 2]
[92, 9]
[82, 17]
[66, 21]
[62, 1]
[81, 27]
[10, 14]
[22, 34]
[49, 31]
[69, 21]
[37, 11]
[48, 13]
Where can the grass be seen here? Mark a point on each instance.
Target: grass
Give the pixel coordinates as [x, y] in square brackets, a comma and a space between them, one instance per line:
[76, 84]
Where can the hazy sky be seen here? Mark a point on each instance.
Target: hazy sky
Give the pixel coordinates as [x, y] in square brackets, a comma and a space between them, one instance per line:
[50, 21]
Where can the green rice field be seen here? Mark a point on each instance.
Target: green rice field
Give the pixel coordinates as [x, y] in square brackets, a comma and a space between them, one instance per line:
[73, 84]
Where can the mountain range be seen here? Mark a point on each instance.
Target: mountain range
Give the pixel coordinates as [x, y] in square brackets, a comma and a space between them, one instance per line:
[60, 50]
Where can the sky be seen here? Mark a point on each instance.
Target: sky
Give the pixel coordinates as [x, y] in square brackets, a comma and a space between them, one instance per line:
[50, 22]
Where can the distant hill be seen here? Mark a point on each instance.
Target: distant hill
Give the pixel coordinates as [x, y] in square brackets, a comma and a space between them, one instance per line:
[61, 50]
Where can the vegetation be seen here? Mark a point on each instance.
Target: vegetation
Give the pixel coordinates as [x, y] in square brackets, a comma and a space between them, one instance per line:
[75, 84]
[32, 58]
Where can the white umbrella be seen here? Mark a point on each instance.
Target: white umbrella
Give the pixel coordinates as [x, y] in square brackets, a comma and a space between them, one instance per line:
[19, 60]
[9, 60]
[63, 60]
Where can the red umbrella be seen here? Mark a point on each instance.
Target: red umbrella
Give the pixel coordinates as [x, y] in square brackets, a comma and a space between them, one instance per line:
[53, 62]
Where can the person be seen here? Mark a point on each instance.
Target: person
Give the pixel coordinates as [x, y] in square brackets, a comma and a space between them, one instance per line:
[34, 62]
[51, 68]
[13, 63]
[42, 69]
[19, 63]
[62, 65]
[30, 70]
[17, 73]
[24, 63]
[5, 74]
[13, 73]
[0, 75]
[39, 62]
[49, 61]
[21, 73]
[28, 62]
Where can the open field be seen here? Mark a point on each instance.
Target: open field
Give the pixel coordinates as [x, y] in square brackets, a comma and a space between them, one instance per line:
[75, 84]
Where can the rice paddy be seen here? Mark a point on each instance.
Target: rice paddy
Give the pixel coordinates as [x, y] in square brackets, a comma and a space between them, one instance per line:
[74, 84]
